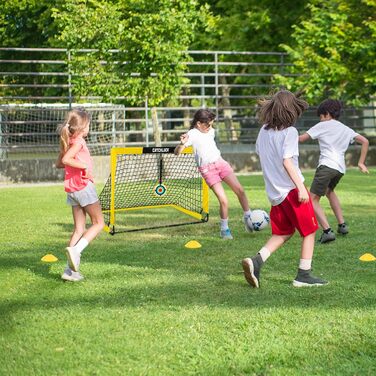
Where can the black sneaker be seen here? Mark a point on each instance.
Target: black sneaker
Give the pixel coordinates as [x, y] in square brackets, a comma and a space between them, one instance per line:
[327, 237]
[305, 279]
[343, 229]
[251, 267]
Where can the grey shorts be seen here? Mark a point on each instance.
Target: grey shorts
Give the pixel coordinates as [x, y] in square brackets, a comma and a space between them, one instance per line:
[325, 177]
[84, 197]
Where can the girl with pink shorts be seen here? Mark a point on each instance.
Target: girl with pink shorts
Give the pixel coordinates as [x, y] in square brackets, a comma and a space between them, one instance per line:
[213, 168]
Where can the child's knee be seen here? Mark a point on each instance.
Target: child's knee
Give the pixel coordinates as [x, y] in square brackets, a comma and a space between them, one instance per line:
[223, 202]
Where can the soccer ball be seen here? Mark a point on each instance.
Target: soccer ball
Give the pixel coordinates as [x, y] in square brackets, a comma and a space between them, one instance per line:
[260, 219]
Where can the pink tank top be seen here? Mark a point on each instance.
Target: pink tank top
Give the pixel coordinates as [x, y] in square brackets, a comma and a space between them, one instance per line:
[74, 180]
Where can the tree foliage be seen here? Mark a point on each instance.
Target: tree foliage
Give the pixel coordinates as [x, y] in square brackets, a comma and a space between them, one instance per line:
[26, 23]
[331, 43]
[249, 25]
[151, 39]
[334, 51]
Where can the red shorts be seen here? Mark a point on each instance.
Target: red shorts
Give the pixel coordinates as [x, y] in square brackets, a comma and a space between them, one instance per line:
[291, 214]
[214, 173]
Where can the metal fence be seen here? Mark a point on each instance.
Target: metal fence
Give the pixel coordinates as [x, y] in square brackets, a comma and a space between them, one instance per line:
[37, 88]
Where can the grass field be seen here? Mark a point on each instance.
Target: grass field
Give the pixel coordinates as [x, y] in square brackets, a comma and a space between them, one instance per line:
[149, 306]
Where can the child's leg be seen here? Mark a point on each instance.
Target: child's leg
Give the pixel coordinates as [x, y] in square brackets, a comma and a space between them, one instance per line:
[79, 218]
[222, 198]
[252, 266]
[96, 216]
[335, 205]
[304, 277]
[232, 181]
[225, 232]
[319, 212]
[308, 244]
[275, 242]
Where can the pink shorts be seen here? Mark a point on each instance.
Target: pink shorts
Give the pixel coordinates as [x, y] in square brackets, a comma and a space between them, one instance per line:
[291, 214]
[215, 172]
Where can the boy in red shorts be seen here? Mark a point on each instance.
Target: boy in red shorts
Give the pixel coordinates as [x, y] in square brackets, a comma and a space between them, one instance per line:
[278, 148]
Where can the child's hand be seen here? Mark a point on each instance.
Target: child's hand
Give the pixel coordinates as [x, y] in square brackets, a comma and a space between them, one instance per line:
[303, 195]
[184, 138]
[85, 172]
[363, 168]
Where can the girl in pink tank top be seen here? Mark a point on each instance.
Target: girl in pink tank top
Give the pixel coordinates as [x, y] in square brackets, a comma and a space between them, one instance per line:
[75, 158]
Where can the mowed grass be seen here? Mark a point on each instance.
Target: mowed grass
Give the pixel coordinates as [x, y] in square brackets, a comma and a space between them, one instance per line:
[149, 306]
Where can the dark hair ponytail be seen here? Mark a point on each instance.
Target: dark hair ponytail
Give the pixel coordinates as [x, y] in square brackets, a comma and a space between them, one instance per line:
[202, 116]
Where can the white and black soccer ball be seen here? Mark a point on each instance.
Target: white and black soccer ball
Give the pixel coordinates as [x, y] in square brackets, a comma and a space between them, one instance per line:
[260, 219]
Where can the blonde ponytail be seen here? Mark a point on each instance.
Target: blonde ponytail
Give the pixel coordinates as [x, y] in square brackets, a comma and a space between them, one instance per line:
[76, 121]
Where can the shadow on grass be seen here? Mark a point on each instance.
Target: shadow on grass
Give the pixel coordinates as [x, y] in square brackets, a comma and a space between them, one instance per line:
[158, 279]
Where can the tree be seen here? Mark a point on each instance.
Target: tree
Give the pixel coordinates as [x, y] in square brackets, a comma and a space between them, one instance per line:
[26, 23]
[334, 51]
[249, 25]
[150, 39]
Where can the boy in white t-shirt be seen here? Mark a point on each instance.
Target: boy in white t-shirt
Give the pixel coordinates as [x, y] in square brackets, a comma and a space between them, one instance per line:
[334, 139]
[278, 149]
[214, 169]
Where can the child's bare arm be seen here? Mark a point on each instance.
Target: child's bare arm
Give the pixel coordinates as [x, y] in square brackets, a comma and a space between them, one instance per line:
[183, 139]
[304, 137]
[290, 169]
[59, 163]
[68, 158]
[363, 153]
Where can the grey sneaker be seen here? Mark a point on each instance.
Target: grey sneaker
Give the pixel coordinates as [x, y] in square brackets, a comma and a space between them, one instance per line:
[73, 258]
[248, 225]
[329, 237]
[305, 279]
[251, 267]
[226, 234]
[71, 276]
[343, 229]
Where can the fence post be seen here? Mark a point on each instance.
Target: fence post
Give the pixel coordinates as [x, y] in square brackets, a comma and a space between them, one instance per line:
[203, 102]
[146, 121]
[282, 68]
[113, 128]
[2, 151]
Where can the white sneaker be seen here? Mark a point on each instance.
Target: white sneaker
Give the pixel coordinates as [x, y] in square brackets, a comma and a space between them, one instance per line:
[248, 225]
[73, 258]
[226, 234]
[71, 276]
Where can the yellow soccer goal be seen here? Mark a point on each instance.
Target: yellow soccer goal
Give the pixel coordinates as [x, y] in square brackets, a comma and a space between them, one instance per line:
[144, 178]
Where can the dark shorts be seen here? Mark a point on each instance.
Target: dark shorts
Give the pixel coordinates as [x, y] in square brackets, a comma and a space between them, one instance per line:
[325, 177]
[291, 214]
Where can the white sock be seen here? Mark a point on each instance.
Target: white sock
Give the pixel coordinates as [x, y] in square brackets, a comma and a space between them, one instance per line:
[224, 224]
[81, 245]
[247, 213]
[305, 264]
[264, 253]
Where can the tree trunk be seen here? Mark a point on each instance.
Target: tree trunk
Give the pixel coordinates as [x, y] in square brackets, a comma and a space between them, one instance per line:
[156, 132]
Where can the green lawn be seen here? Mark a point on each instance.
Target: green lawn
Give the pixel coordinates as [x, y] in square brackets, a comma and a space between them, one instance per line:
[149, 306]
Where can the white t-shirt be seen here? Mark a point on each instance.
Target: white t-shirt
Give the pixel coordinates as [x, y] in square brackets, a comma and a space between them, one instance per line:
[334, 139]
[273, 147]
[204, 146]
